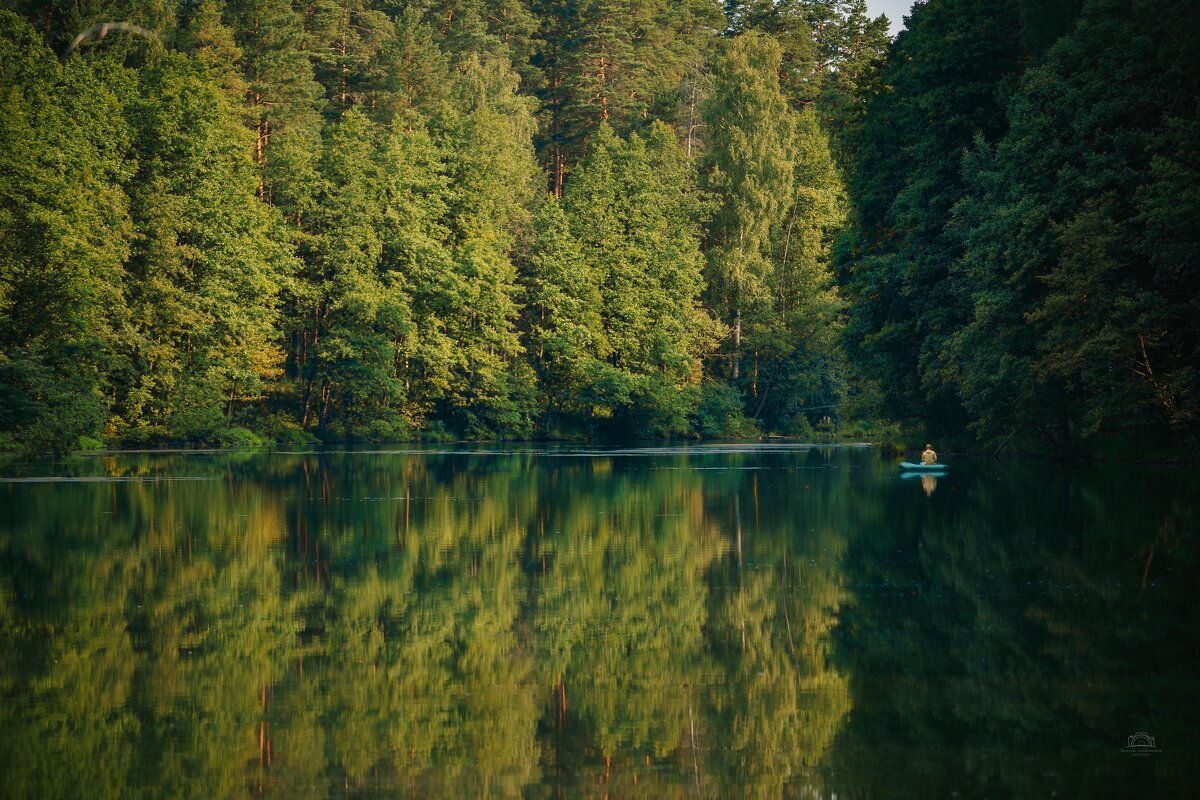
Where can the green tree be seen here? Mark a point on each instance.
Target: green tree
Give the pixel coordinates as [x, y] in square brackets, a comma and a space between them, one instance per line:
[415, 73]
[490, 176]
[346, 38]
[799, 369]
[618, 62]
[791, 25]
[1082, 330]
[351, 381]
[205, 273]
[779, 204]
[211, 41]
[851, 50]
[635, 210]
[940, 91]
[564, 336]
[283, 102]
[751, 131]
[65, 235]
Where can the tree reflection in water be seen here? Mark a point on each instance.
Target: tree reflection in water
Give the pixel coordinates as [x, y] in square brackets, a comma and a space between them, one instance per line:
[714, 622]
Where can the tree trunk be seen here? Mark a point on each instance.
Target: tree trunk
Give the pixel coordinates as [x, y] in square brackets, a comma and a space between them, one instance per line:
[344, 66]
[737, 343]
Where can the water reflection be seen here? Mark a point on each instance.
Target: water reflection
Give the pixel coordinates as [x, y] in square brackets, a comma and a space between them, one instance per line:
[716, 622]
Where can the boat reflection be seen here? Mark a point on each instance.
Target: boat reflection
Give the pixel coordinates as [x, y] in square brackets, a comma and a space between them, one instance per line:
[929, 481]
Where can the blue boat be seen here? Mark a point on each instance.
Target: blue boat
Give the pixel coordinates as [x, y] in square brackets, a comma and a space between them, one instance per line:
[909, 466]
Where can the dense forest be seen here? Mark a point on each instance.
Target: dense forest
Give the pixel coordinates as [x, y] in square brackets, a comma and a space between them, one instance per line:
[274, 220]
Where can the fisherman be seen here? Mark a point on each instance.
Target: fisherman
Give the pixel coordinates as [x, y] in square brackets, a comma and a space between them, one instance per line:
[929, 457]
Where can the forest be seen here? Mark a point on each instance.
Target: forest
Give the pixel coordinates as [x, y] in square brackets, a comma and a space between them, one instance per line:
[234, 223]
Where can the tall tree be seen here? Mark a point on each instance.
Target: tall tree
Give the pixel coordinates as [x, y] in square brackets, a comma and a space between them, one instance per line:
[415, 72]
[351, 383]
[799, 369]
[564, 335]
[470, 190]
[1083, 330]
[618, 62]
[65, 234]
[207, 268]
[209, 39]
[490, 163]
[283, 102]
[635, 211]
[941, 91]
[779, 203]
[751, 157]
[789, 22]
[346, 37]
[851, 48]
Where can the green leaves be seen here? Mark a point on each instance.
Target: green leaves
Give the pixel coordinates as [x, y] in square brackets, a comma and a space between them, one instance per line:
[634, 210]
[1016, 269]
[207, 269]
[65, 234]
[940, 92]
[367, 259]
[1085, 297]
[780, 201]
[328, 219]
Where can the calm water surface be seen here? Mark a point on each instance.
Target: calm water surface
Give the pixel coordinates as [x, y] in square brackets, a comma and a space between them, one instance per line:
[707, 621]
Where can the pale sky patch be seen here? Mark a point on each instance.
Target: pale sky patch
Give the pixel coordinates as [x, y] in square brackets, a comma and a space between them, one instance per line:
[895, 10]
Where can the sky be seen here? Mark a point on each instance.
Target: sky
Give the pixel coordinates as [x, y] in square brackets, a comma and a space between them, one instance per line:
[895, 10]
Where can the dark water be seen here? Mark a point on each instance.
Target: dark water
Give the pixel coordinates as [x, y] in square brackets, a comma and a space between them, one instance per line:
[712, 621]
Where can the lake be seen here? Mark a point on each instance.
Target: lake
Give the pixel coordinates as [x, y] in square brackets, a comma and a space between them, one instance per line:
[679, 621]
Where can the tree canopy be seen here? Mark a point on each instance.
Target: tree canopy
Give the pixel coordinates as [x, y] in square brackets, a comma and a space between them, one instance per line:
[233, 222]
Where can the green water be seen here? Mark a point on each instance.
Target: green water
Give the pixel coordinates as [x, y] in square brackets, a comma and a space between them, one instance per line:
[710, 621]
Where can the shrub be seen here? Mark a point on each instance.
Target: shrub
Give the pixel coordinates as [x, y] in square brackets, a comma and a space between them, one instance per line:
[717, 413]
[238, 437]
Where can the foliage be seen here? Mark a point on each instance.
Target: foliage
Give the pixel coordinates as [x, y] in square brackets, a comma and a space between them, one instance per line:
[1086, 314]
[1012, 273]
[66, 234]
[329, 213]
[634, 210]
[718, 413]
[779, 204]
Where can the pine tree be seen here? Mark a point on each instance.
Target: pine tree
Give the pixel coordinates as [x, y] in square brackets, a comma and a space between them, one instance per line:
[347, 37]
[283, 102]
[485, 28]
[619, 62]
[415, 73]
[850, 53]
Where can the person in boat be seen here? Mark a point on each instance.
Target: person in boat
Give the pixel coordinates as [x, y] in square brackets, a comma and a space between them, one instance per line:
[929, 457]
